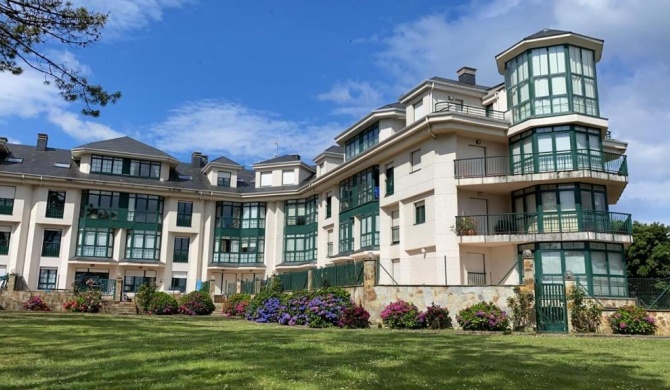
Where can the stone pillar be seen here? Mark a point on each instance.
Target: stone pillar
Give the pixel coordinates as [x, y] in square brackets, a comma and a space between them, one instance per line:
[310, 277]
[529, 283]
[118, 293]
[11, 282]
[212, 287]
[369, 281]
[569, 285]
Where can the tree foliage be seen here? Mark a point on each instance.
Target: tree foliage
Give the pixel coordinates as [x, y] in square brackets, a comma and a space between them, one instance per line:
[26, 26]
[649, 255]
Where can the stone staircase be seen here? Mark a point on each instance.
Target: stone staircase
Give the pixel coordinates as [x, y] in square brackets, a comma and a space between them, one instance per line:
[119, 308]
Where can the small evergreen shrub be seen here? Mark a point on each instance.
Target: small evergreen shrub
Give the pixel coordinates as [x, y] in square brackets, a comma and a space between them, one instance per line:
[162, 304]
[401, 315]
[522, 308]
[354, 317]
[36, 304]
[632, 320]
[435, 317]
[196, 303]
[584, 317]
[483, 316]
[144, 295]
[236, 305]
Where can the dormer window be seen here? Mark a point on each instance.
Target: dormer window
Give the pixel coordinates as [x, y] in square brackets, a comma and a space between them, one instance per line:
[288, 177]
[125, 166]
[266, 179]
[362, 141]
[223, 179]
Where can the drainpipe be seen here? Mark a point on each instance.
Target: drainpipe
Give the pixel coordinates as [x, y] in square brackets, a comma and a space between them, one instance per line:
[430, 130]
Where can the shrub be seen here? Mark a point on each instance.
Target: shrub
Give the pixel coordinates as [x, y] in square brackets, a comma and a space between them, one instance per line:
[144, 295]
[632, 320]
[401, 315]
[196, 303]
[162, 304]
[89, 301]
[36, 304]
[584, 317]
[522, 308]
[273, 289]
[435, 317]
[236, 305]
[293, 310]
[268, 311]
[483, 316]
[325, 311]
[354, 317]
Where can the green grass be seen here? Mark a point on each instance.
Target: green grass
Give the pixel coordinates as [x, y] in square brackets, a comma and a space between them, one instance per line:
[71, 351]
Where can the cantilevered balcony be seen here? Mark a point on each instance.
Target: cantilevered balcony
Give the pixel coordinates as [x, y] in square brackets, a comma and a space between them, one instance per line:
[528, 227]
[469, 110]
[118, 217]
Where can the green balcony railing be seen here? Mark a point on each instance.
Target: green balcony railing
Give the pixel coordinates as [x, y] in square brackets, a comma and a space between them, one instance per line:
[184, 220]
[4, 248]
[570, 160]
[252, 258]
[348, 274]
[51, 249]
[55, 210]
[470, 110]
[121, 217]
[180, 256]
[545, 222]
[6, 206]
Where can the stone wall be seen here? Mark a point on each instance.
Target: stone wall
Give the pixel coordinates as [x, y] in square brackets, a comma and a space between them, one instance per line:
[454, 298]
[662, 321]
[13, 300]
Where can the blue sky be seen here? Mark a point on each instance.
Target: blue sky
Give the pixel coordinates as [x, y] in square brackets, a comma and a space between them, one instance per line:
[231, 78]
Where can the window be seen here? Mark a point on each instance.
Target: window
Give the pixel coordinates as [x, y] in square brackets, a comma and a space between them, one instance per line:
[51, 243]
[253, 215]
[369, 230]
[288, 177]
[419, 213]
[4, 242]
[95, 242]
[97, 204]
[55, 204]
[419, 110]
[300, 247]
[223, 179]
[330, 243]
[143, 244]
[395, 227]
[415, 160]
[145, 208]
[134, 279]
[231, 215]
[346, 235]
[329, 205]
[7, 199]
[178, 282]
[389, 179]
[232, 249]
[359, 189]
[184, 213]
[180, 253]
[124, 166]
[111, 165]
[266, 179]
[141, 168]
[362, 141]
[301, 211]
[48, 279]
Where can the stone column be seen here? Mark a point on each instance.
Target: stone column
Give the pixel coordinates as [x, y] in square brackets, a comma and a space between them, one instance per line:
[569, 285]
[11, 282]
[310, 277]
[369, 281]
[118, 293]
[529, 283]
[212, 287]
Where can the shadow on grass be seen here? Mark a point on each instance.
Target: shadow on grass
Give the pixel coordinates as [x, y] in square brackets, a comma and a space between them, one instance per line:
[72, 351]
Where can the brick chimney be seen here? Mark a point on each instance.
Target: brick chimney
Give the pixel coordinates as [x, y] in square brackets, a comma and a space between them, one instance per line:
[196, 159]
[42, 142]
[467, 75]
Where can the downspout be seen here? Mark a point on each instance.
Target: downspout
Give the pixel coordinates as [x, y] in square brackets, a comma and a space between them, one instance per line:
[430, 130]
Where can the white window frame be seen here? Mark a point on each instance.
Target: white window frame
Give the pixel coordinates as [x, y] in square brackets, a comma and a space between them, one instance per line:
[265, 176]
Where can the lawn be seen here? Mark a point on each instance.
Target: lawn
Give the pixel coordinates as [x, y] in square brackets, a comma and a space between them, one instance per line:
[73, 351]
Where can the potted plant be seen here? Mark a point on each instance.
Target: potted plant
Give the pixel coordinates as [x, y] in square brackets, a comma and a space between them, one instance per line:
[465, 226]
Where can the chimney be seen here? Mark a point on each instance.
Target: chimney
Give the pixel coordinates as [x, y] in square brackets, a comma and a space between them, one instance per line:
[467, 75]
[196, 159]
[42, 142]
[205, 159]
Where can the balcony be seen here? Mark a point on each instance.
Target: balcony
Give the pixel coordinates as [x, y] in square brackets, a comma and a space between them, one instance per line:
[250, 259]
[571, 160]
[469, 110]
[51, 249]
[588, 221]
[180, 256]
[121, 218]
[184, 220]
[6, 206]
[4, 248]
[55, 210]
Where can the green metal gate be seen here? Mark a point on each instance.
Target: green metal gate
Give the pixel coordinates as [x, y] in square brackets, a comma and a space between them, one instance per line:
[551, 308]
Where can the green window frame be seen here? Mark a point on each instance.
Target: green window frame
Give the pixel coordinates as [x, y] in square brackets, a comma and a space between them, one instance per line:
[48, 278]
[55, 204]
[369, 229]
[301, 211]
[236, 249]
[4, 242]
[51, 243]
[329, 245]
[300, 247]
[143, 244]
[125, 167]
[95, 242]
[184, 213]
[359, 189]
[361, 142]
[228, 215]
[131, 284]
[253, 215]
[6, 206]
[389, 179]
[223, 178]
[419, 213]
[181, 249]
[329, 206]
[178, 284]
[395, 226]
[346, 235]
[145, 208]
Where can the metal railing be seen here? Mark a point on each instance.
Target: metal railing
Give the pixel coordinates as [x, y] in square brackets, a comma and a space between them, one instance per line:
[571, 160]
[122, 214]
[4, 248]
[294, 281]
[55, 210]
[251, 286]
[6, 206]
[51, 249]
[348, 274]
[477, 278]
[545, 222]
[653, 294]
[184, 220]
[470, 110]
[180, 256]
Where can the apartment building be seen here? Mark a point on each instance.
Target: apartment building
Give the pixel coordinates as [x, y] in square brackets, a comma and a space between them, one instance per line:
[448, 185]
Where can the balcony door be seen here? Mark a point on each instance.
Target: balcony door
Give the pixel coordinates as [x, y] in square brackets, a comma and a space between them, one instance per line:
[475, 269]
[479, 208]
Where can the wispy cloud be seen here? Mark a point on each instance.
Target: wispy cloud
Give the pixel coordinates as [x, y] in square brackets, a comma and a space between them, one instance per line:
[239, 132]
[353, 98]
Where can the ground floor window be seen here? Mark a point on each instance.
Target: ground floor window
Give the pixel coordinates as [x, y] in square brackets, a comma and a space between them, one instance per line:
[48, 279]
[178, 282]
[133, 280]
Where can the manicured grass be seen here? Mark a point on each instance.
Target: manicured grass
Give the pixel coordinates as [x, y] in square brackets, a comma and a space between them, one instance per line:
[71, 351]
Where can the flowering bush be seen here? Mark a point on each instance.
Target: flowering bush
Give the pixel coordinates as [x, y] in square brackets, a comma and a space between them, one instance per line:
[354, 317]
[401, 315]
[483, 316]
[293, 312]
[632, 320]
[236, 305]
[36, 304]
[267, 312]
[162, 304]
[324, 311]
[89, 301]
[196, 303]
[435, 317]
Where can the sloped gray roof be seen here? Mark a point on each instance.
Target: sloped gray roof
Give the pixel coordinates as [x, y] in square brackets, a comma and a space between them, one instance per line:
[546, 33]
[335, 149]
[392, 105]
[456, 82]
[125, 144]
[225, 160]
[281, 159]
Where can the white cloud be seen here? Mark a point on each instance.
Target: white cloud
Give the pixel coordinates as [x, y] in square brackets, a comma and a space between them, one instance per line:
[80, 129]
[353, 98]
[238, 132]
